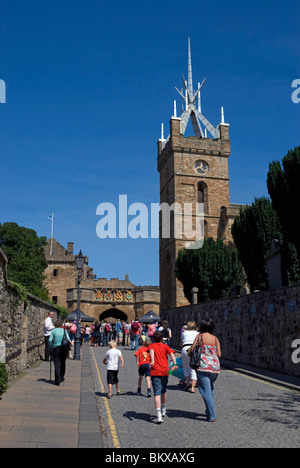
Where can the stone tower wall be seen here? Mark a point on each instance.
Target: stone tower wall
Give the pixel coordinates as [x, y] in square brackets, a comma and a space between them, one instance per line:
[179, 182]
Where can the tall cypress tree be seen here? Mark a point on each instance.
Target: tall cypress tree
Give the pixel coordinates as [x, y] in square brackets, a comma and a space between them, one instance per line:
[283, 183]
[253, 231]
[213, 269]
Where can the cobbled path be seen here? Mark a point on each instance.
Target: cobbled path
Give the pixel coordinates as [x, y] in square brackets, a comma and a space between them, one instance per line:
[251, 413]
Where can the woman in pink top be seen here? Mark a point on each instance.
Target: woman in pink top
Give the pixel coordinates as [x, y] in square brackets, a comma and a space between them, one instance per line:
[208, 371]
[152, 330]
[87, 334]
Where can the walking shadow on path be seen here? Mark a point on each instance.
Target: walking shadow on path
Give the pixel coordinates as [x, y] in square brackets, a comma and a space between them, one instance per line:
[132, 415]
[178, 413]
[171, 413]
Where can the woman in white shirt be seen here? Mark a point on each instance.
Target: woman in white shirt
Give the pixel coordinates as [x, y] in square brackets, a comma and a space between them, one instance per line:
[48, 327]
[187, 339]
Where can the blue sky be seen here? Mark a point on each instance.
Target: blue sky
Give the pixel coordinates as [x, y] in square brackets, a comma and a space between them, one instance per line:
[89, 84]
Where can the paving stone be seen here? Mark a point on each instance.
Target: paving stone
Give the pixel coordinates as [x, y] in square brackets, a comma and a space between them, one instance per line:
[250, 412]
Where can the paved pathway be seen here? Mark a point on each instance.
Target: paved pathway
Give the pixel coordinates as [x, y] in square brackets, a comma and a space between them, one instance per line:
[250, 412]
[34, 413]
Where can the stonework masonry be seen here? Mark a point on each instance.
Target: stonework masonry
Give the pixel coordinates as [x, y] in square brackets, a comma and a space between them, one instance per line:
[256, 329]
[21, 325]
[181, 182]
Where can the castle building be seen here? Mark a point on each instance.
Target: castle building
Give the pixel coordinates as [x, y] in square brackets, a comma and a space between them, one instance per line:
[193, 169]
[100, 298]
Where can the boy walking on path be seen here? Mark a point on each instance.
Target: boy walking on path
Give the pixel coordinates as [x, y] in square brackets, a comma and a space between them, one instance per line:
[143, 361]
[111, 360]
[159, 368]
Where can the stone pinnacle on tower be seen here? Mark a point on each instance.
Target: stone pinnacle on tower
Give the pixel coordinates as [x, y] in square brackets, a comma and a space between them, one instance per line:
[191, 110]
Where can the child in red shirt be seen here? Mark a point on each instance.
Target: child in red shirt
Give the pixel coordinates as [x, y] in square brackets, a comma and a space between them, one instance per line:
[159, 368]
[143, 360]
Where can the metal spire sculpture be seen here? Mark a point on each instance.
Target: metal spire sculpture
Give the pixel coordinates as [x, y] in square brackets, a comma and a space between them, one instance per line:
[191, 109]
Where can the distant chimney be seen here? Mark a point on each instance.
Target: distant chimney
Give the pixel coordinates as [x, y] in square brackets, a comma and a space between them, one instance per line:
[70, 248]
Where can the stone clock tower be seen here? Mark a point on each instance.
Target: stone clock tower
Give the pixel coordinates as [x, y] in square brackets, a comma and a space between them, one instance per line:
[192, 170]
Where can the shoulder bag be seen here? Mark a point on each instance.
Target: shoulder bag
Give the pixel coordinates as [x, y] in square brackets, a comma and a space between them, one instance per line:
[195, 359]
[65, 343]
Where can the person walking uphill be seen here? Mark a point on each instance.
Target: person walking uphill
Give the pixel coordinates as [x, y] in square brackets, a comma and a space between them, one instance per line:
[159, 368]
[59, 352]
[48, 327]
[135, 335]
[209, 368]
[119, 335]
[111, 360]
[187, 339]
[143, 362]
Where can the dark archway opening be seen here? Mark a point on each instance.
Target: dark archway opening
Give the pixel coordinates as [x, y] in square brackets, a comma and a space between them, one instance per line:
[113, 313]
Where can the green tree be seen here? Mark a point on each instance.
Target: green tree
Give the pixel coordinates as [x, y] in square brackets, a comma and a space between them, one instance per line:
[3, 379]
[213, 269]
[26, 257]
[253, 231]
[62, 311]
[283, 183]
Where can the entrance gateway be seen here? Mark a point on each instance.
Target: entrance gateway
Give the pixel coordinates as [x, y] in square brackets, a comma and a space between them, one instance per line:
[101, 298]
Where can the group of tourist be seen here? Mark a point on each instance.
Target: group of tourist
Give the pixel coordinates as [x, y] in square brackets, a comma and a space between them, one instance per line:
[152, 361]
[152, 357]
[125, 333]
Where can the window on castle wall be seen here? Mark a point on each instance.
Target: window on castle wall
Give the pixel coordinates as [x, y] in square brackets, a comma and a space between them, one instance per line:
[55, 273]
[54, 299]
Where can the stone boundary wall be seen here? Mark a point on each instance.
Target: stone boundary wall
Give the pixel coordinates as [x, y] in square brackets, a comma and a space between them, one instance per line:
[256, 329]
[21, 325]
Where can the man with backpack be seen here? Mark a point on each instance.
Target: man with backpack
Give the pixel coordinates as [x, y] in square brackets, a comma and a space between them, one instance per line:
[135, 334]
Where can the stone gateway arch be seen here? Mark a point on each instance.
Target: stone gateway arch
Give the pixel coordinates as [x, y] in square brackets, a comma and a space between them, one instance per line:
[101, 298]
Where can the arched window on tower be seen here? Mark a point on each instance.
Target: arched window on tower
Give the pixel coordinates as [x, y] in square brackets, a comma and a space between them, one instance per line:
[203, 196]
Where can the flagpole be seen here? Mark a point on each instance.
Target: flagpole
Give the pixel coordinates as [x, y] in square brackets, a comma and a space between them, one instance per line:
[51, 239]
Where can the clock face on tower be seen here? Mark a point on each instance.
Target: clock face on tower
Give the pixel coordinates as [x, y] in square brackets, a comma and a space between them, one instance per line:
[201, 167]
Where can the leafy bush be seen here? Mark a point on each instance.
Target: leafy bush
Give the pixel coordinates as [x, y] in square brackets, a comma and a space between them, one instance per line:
[3, 379]
[26, 257]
